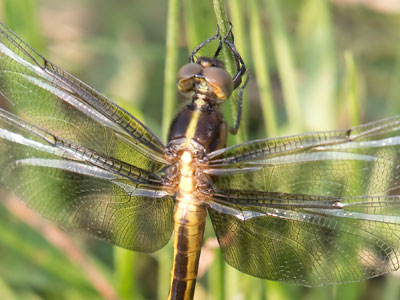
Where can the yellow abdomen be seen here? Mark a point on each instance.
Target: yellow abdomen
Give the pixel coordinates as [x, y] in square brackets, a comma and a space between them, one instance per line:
[189, 222]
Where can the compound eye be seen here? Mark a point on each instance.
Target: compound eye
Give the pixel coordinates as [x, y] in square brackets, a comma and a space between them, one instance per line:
[186, 76]
[220, 80]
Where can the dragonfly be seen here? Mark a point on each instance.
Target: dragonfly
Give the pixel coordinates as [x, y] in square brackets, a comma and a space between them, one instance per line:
[311, 209]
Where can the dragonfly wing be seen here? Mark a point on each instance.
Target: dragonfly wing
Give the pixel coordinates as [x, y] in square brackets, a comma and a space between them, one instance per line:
[52, 99]
[328, 243]
[361, 161]
[312, 209]
[82, 190]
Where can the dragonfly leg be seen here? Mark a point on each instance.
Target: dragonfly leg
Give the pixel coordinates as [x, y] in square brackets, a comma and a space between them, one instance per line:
[240, 65]
[234, 130]
[202, 44]
[228, 39]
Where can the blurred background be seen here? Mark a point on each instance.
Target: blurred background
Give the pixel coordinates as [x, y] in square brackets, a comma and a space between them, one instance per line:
[313, 65]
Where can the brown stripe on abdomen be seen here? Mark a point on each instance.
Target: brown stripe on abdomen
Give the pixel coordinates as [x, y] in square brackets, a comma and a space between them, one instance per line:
[189, 227]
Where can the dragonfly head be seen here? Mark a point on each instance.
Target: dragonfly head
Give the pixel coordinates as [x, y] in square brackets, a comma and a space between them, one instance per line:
[207, 76]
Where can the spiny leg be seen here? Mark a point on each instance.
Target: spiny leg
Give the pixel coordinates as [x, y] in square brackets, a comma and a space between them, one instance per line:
[234, 130]
[229, 40]
[202, 44]
[240, 66]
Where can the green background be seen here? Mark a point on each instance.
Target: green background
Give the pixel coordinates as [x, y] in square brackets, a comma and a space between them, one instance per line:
[313, 65]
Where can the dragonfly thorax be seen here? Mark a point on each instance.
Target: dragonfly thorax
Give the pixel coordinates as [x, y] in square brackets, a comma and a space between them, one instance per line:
[198, 123]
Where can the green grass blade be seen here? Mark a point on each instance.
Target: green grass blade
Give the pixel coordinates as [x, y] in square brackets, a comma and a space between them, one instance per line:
[216, 278]
[199, 23]
[171, 65]
[260, 62]
[169, 106]
[125, 281]
[21, 16]
[352, 95]
[6, 292]
[395, 86]
[286, 69]
[223, 24]
[237, 9]
[318, 63]
[164, 258]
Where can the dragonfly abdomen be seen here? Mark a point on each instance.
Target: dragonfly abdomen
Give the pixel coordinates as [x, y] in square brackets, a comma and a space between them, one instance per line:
[189, 223]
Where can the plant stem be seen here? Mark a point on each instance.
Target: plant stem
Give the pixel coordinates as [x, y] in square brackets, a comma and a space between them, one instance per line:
[286, 69]
[224, 26]
[260, 62]
[171, 65]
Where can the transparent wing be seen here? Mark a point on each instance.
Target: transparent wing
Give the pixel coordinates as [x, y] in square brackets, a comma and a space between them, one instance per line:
[311, 246]
[361, 161]
[52, 99]
[312, 209]
[82, 190]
